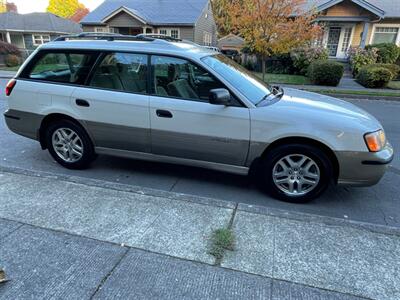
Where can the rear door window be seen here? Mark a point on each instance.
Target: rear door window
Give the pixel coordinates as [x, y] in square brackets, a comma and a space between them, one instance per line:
[122, 72]
[62, 67]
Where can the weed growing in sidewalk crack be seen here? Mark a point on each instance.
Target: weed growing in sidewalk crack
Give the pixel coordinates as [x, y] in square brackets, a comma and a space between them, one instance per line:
[222, 240]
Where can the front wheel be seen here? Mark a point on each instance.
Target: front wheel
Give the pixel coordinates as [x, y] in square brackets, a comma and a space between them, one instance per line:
[296, 173]
[69, 144]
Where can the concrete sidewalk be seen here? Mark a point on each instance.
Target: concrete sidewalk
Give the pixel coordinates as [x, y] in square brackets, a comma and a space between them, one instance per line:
[166, 235]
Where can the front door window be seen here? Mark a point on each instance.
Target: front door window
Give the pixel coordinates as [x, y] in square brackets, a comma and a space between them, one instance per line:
[333, 40]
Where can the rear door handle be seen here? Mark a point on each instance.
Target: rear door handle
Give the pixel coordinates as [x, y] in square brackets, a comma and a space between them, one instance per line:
[81, 102]
[164, 113]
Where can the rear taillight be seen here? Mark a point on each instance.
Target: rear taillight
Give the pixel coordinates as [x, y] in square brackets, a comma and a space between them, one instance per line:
[10, 86]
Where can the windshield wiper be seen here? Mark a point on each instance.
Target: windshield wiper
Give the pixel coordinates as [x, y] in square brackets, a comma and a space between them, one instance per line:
[264, 98]
[277, 92]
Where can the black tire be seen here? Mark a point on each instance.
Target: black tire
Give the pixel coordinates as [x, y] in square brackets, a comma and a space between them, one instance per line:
[276, 154]
[88, 154]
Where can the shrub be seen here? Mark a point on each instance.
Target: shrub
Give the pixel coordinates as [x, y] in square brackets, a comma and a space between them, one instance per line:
[325, 72]
[388, 53]
[302, 57]
[249, 65]
[280, 64]
[12, 60]
[6, 48]
[361, 57]
[394, 69]
[374, 77]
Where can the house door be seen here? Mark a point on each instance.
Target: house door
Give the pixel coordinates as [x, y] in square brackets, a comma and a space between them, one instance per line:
[333, 40]
[344, 41]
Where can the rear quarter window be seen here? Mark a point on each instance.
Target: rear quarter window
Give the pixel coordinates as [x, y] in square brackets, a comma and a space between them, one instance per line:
[63, 67]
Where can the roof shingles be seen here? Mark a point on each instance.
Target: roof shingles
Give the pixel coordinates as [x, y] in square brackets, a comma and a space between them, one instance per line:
[154, 12]
[39, 22]
[390, 7]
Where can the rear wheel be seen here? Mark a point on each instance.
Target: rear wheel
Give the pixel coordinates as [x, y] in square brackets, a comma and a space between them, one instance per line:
[296, 173]
[69, 144]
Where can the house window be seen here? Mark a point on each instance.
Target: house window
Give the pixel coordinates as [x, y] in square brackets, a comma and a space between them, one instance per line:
[346, 39]
[40, 39]
[175, 33]
[172, 32]
[101, 29]
[385, 35]
[207, 39]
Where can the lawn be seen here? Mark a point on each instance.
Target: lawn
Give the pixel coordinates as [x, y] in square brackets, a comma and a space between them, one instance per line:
[285, 79]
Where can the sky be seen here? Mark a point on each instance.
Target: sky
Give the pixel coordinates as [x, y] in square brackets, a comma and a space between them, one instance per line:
[28, 6]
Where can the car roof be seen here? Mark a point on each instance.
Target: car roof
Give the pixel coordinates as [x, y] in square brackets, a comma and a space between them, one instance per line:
[156, 46]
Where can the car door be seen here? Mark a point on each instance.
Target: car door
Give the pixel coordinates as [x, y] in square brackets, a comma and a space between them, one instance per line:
[115, 105]
[185, 125]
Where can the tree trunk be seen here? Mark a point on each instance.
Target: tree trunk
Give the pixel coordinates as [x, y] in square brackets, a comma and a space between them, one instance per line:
[263, 67]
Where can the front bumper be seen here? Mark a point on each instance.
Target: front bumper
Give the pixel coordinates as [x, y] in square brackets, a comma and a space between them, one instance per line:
[363, 168]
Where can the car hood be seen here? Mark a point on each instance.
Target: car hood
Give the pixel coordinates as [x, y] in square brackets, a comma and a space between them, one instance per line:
[325, 107]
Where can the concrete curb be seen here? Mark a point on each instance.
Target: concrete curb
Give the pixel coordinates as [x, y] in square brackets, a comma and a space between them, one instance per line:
[304, 217]
[330, 221]
[121, 187]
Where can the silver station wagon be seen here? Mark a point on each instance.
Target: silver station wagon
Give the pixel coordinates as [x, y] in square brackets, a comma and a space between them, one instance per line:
[172, 101]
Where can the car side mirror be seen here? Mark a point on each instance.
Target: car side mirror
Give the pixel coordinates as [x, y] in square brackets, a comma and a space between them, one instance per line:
[220, 97]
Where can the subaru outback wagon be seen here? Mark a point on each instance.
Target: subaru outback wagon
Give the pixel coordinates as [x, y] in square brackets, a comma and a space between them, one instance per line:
[173, 101]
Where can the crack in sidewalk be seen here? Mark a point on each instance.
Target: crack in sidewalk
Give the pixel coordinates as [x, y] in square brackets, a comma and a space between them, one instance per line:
[218, 261]
[103, 281]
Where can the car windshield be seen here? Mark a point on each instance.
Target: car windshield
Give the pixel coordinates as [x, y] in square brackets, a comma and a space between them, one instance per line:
[252, 87]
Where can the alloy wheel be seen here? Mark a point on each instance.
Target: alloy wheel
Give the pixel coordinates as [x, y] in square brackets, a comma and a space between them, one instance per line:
[67, 144]
[296, 174]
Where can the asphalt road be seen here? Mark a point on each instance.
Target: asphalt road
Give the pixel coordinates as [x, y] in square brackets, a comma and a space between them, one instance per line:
[378, 204]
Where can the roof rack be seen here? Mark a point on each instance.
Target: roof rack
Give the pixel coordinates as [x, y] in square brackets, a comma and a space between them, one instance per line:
[104, 36]
[159, 37]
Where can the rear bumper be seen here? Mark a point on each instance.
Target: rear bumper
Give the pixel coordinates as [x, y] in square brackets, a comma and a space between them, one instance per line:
[23, 123]
[363, 168]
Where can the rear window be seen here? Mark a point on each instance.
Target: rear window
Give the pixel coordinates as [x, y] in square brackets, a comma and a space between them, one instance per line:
[61, 67]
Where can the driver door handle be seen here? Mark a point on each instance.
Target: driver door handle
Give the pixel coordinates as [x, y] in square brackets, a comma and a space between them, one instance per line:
[163, 113]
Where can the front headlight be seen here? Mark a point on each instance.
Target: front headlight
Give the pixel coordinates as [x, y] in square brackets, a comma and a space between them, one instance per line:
[375, 140]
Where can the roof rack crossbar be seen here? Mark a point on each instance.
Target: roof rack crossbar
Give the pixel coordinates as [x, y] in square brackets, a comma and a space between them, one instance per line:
[103, 36]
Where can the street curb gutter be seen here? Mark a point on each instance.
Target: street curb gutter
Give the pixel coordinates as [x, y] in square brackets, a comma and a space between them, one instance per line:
[262, 210]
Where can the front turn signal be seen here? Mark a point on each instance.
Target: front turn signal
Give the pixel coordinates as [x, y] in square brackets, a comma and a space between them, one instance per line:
[375, 140]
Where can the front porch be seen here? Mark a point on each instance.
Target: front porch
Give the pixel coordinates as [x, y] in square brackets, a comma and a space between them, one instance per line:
[341, 34]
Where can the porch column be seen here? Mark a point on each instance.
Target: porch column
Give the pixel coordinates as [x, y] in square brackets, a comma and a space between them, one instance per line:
[8, 37]
[364, 35]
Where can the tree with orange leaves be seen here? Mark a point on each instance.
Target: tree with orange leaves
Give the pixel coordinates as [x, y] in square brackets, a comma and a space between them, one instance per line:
[272, 26]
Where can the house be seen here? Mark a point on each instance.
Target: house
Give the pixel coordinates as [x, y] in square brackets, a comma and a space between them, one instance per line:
[354, 23]
[231, 42]
[185, 19]
[28, 31]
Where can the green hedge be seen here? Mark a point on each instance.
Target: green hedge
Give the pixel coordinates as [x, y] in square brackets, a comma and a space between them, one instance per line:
[302, 57]
[325, 72]
[388, 53]
[394, 69]
[374, 76]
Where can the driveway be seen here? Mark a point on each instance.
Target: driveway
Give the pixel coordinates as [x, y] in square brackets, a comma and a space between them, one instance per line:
[378, 204]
